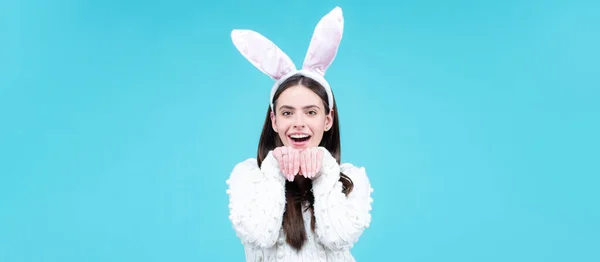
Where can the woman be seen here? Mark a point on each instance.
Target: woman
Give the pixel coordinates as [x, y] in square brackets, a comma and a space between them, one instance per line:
[295, 201]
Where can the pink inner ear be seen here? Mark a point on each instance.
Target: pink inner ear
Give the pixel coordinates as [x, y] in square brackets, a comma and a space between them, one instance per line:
[325, 42]
[262, 53]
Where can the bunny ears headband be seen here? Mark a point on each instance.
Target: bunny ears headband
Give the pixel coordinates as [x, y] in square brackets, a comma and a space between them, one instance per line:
[272, 61]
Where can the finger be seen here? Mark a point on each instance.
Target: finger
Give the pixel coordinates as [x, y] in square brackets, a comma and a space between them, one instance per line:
[314, 161]
[307, 159]
[277, 155]
[303, 164]
[296, 162]
[309, 162]
[284, 168]
[290, 167]
[319, 160]
[291, 164]
[290, 157]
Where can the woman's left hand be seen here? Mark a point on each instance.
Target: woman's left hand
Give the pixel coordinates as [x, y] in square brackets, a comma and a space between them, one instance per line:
[310, 162]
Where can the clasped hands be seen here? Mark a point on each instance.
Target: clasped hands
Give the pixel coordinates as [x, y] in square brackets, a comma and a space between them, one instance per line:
[305, 162]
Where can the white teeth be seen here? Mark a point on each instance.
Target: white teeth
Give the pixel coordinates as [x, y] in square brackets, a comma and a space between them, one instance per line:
[298, 135]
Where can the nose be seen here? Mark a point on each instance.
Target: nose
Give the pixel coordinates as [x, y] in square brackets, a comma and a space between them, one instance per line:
[299, 121]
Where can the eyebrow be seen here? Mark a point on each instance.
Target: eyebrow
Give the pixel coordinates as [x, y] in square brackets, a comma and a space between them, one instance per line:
[291, 108]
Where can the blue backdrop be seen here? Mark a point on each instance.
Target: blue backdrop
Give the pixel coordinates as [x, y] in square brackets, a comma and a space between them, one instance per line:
[477, 124]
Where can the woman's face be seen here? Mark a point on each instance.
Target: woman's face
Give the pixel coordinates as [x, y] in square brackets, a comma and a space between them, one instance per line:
[300, 118]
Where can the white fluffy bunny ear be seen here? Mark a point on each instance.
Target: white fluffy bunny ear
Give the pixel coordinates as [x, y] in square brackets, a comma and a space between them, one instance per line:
[325, 42]
[262, 53]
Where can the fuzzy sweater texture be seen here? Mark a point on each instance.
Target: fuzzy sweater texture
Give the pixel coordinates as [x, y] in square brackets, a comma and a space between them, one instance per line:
[257, 202]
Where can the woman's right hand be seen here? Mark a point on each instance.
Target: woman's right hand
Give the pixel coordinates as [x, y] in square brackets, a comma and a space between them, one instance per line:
[289, 161]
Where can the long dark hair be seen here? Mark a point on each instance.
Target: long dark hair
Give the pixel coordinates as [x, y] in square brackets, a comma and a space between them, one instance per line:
[298, 193]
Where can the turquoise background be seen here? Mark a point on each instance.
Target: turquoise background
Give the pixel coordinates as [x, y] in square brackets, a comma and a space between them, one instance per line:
[477, 123]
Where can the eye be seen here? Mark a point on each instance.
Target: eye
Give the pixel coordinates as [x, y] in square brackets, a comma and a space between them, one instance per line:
[286, 113]
[312, 112]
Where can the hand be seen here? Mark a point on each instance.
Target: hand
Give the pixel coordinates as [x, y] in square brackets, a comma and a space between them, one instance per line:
[289, 161]
[310, 162]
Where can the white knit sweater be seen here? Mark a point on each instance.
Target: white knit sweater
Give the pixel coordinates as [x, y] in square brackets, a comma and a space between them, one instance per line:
[257, 200]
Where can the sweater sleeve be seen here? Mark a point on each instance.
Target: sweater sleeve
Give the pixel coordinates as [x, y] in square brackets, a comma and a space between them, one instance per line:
[341, 219]
[256, 201]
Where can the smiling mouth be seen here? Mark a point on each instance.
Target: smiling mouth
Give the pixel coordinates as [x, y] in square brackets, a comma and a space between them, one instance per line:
[299, 138]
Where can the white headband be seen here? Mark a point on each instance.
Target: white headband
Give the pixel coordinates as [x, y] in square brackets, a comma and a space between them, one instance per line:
[269, 59]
